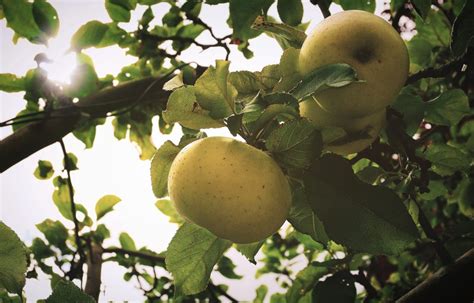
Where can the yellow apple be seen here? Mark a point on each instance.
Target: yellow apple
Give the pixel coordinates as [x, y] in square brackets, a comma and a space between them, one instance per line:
[371, 124]
[234, 190]
[372, 47]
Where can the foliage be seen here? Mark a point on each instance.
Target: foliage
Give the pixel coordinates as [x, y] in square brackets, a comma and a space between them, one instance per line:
[369, 218]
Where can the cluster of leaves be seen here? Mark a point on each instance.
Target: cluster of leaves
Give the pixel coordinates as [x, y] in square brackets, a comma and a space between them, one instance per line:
[339, 226]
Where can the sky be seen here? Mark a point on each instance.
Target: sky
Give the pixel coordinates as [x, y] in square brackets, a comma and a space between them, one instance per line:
[112, 166]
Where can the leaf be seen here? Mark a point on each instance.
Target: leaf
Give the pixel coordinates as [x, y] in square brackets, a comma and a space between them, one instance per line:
[422, 7]
[12, 260]
[84, 80]
[10, 83]
[46, 17]
[365, 218]
[167, 208]
[105, 204]
[44, 170]
[290, 11]
[295, 143]
[332, 75]
[214, 92]
[420, 53]
[140, 133]
[226, 267]
[413, 110]
[183, 108]
[127, 242]
[19, 15]
[70, 161]
[463, 30]
[174, 83]
[260, 294]
[286, 36]
[269, 76]
[250, 250]
[66, 291]
[54, 231]
[191, 256]
[449, 108]
[160, 167]
[303, 218]
[366, 5]
[446, 160]
[89, 35]
[290, 75]
[338, 288]
[435, 28]
[242, 17]
[117, 11]
[271, 112]
[304, 282]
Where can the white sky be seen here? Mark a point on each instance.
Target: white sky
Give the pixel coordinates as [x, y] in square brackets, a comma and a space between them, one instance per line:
[111, 166]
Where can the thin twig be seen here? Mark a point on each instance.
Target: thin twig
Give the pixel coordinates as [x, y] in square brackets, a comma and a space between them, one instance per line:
[222, 292]
[438, 72]
[73, 204]
[134, 253]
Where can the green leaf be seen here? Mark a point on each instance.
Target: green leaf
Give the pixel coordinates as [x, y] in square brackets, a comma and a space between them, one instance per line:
[54, 231]
[10, 83]
[295, 143]
[191, 256]
[160, 167]
[242, 16]
[183, 108]
[466, 199]
[422, 7]
[304, 282]
[71, 161]
[89, 35]
[140, 133]
[214, 92]
[420, 53]
[250, 250]
[260, 294]
[448, 109]
[290, 75]
[290, 11]
[436, 189]
[46, 17]
[286, 36]
[332, 75]
[273, 111]
[226, 267]
[365, 218]
[127, 242]
[446, 160]
[40, 250]
[435, 28]
[269, 76]
[413, 110]
[84, 80]
[44, 170]
[106, 204]
[463, 30]
[12, 260]
[20, 18]
[167, 208]
[365, 5]
[66, 291]
[339, 288]
[303, 218]
[117, 11]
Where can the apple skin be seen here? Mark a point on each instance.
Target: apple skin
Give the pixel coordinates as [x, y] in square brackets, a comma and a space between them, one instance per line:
[232, 189]
[321, 119]
[372, 47]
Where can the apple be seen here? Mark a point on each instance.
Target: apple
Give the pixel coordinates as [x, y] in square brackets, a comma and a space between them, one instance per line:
[371, 124]
[372, 47]
[234, 190]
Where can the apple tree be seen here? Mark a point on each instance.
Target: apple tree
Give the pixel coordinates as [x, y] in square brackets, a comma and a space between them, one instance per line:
[381, 199]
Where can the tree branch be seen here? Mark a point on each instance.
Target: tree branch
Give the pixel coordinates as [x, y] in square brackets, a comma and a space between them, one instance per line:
[151, 257]
[323, 6]
[452, 283]
[438, 72]
[94, 271]
[37, 135]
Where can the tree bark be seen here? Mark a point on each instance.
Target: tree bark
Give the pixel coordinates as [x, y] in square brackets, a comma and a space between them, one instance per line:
[37, 135]
[453, 283]
[94, 270]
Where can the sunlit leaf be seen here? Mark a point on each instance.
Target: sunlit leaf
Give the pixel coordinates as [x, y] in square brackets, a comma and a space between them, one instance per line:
[10, 83]
[46, 17]
[168, 209]
[106, 204]
[160, 167]
[20, 18]
[250, 250]
[191, 256]
[12, 260]
[127, 242]
[66, 291]
[44, 170]
[304, 282]
[290, 11]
